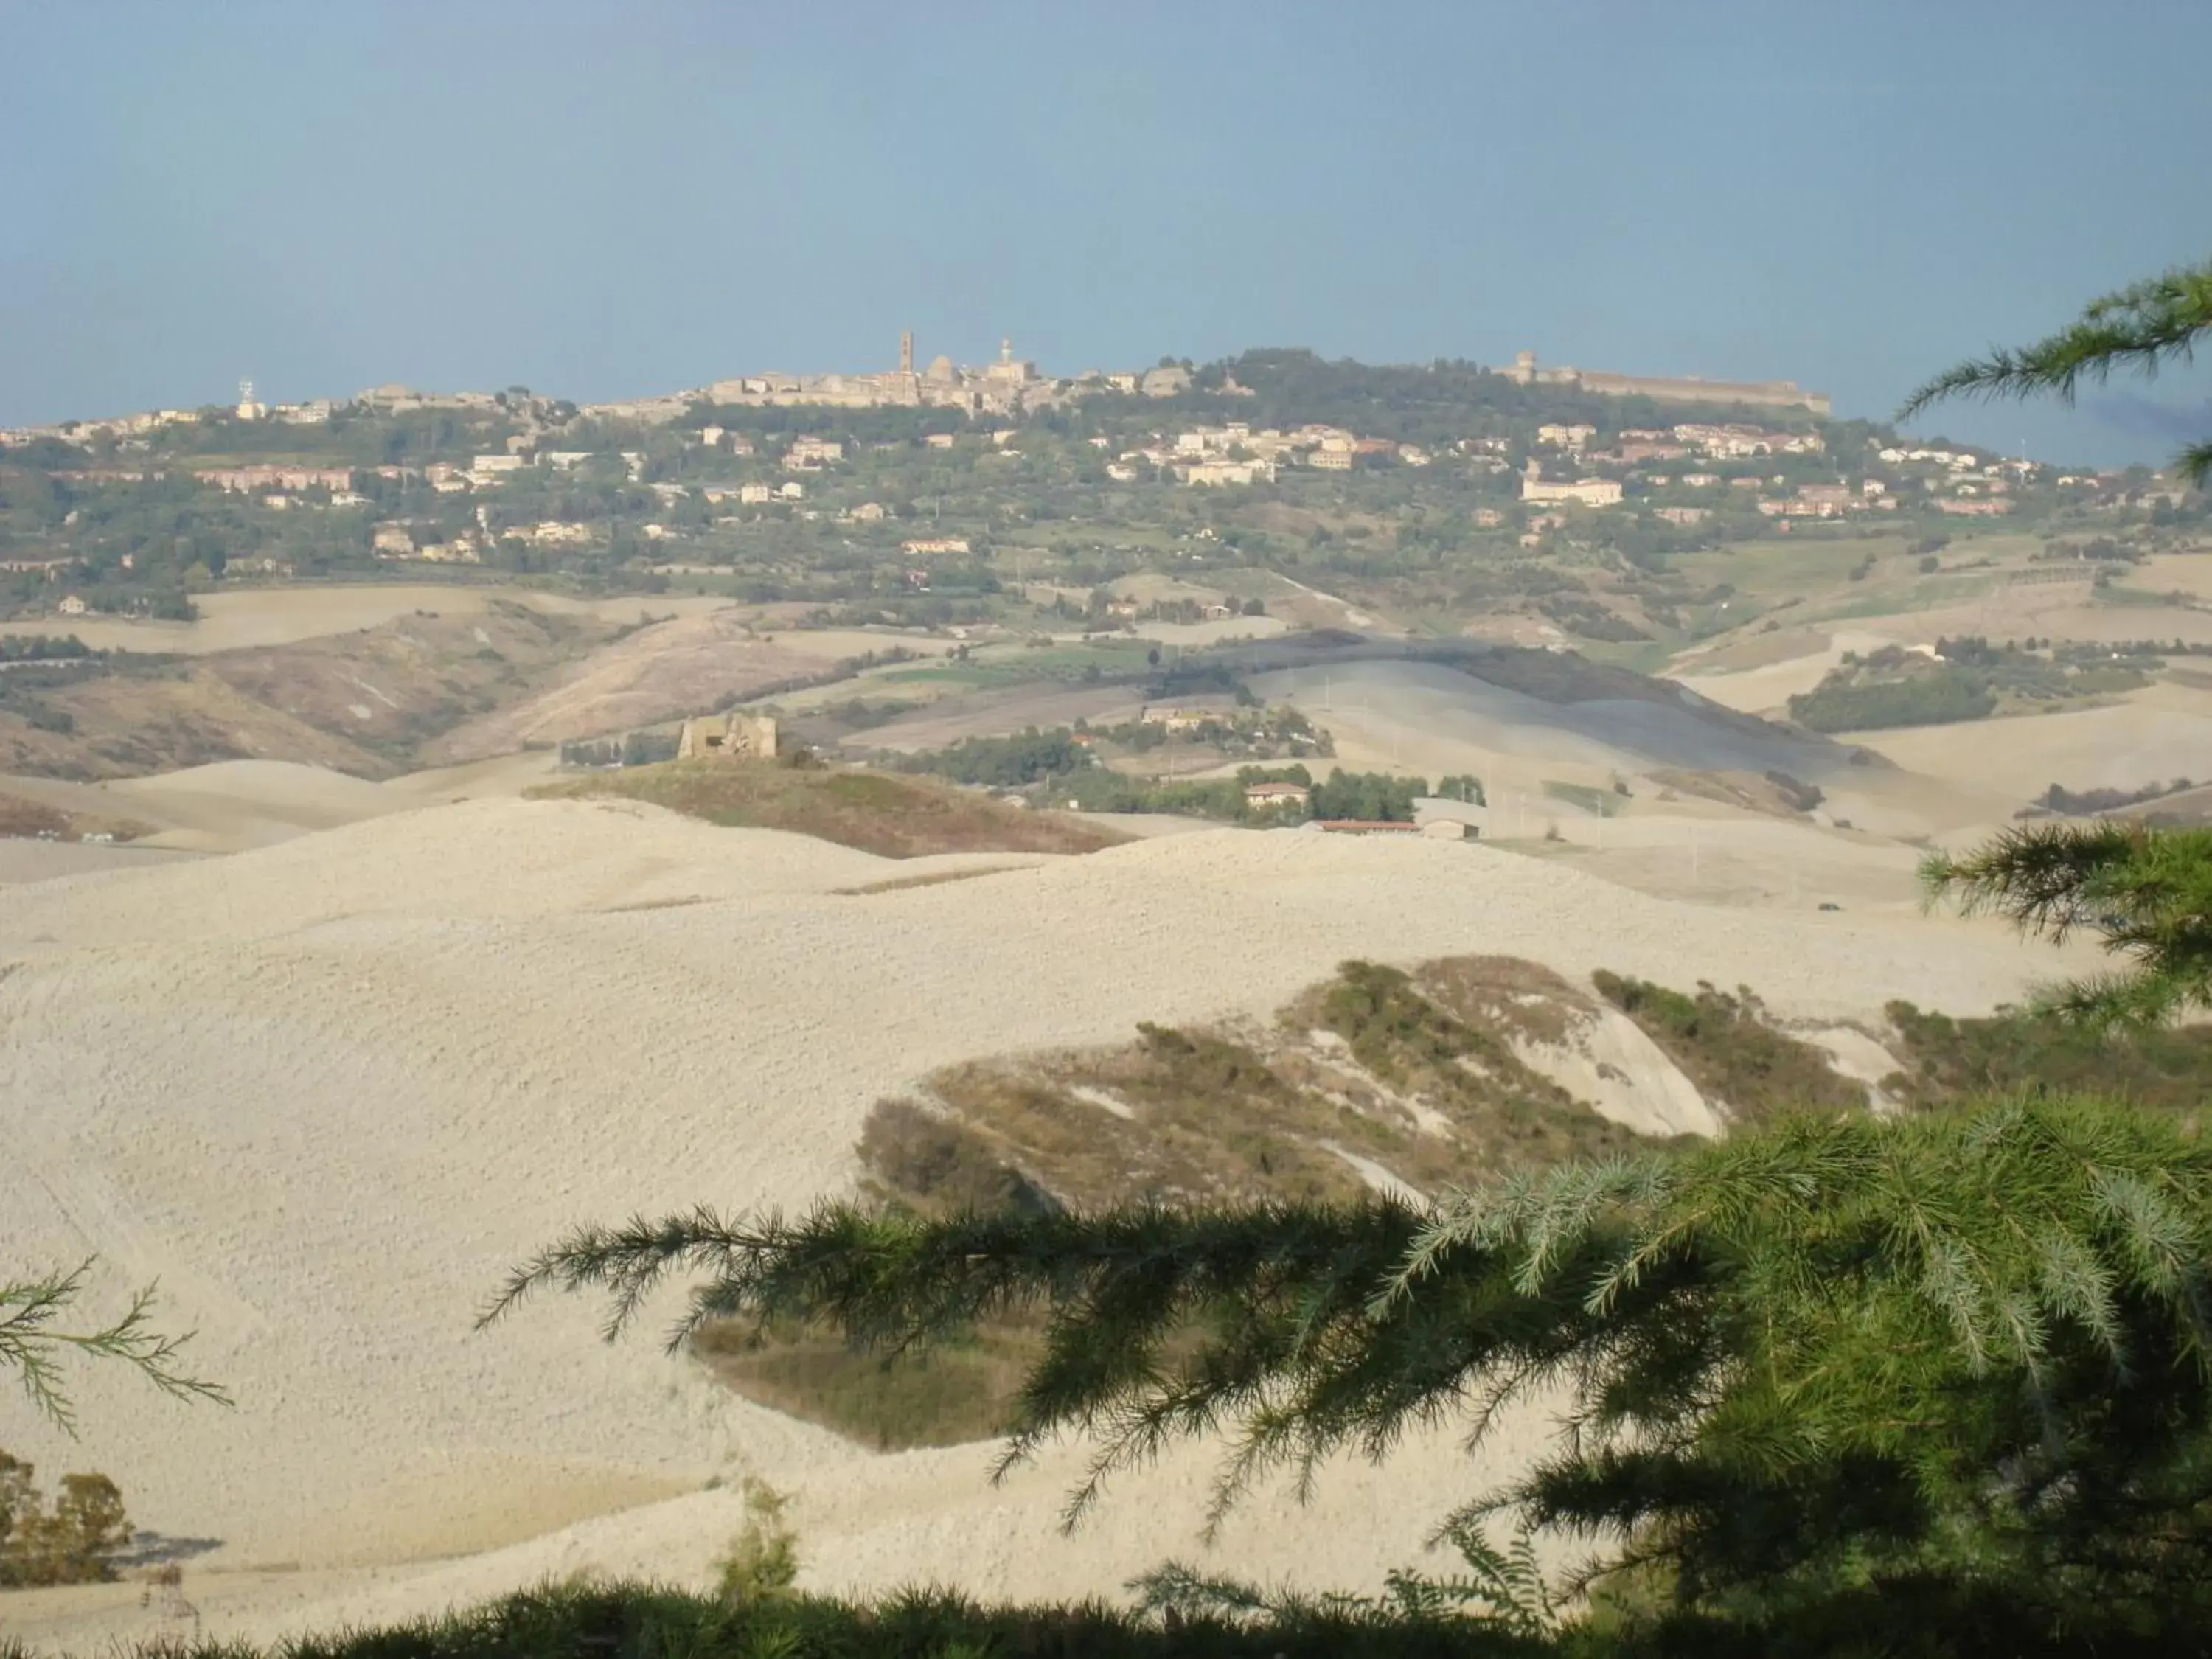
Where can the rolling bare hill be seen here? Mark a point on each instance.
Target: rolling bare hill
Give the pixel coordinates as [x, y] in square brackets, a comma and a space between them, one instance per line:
[328, 1091]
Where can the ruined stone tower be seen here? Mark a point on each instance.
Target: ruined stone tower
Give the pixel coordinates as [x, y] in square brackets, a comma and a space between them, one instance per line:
[729, 736]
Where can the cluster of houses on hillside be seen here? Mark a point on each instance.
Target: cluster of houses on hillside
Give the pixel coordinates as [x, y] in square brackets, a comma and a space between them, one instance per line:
[754, 494]
[131, 431]
[1680, 473]
[396, 539]
[1965, 484]
[1006, 385]
[1829, 500]
[1239, 453]
[1638, 444]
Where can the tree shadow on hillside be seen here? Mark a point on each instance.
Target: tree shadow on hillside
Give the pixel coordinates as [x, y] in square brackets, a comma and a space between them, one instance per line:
[154, 1549]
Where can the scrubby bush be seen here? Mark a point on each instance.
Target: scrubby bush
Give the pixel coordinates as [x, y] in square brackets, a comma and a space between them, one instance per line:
[1801, 795]
[762, 1563]
[2031, 1051]
[2087, 803]
[75, 1542]
[921, 1156]
[1731, 1049]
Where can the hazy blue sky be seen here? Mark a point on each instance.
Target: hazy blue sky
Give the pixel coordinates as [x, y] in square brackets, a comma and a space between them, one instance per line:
[599, 199]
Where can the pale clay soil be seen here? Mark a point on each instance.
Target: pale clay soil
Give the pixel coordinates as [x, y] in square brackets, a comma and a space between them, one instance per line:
[328, 1091]
[230, 806]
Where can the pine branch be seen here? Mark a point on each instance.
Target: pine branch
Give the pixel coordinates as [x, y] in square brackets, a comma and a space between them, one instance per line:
[1828, 1338]
[2141, 329]
[2044, 878]
[2147, 894]
[30, 1342]
[2195, 464]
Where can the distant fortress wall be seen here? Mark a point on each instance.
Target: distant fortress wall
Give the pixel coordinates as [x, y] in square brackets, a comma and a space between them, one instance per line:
[1686, 389]
[1689, 389]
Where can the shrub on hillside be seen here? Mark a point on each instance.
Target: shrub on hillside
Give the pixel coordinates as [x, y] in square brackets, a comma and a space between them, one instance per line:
[1934, 699]
[919, 1157]
[1005, 763]
[2089, 803]
[1728, 1047]
[1966, 678]
[1802, 796]
[762, 1563]
[75, 1542]
[2024, 1051]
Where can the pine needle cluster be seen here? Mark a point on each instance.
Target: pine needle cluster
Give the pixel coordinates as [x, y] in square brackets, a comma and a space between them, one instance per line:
[2142, 329]
[32, 1344]
[2145, 893]
[1976, 1347]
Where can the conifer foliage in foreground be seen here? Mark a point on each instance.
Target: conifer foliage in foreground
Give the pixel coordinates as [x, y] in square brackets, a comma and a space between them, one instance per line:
[2145, 893]
[2151, 324]
[1962, 1355]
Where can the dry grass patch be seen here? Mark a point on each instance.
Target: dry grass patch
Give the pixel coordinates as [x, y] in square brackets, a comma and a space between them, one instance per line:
[1421, 1073]
[880, 813]
[956, 1392]
[365, 702]
[26, 818]
[1521, 1000]
[1776, 794]
[1415, 1074]
[1742, 1061]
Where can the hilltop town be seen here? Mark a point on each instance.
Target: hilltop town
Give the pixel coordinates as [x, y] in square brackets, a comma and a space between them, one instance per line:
[751, 480]
[1638, 521]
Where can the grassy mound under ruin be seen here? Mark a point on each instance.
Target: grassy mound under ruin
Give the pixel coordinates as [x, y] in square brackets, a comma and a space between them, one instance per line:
[880, 813]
